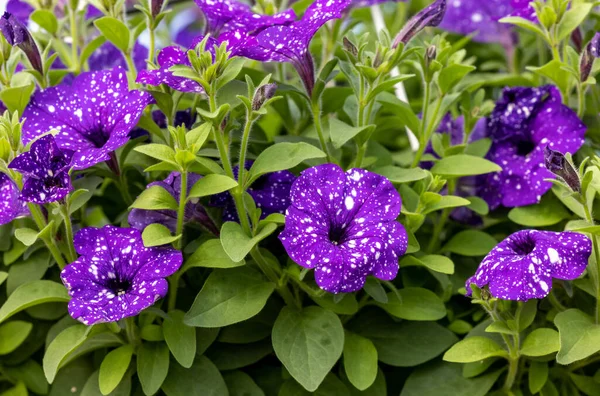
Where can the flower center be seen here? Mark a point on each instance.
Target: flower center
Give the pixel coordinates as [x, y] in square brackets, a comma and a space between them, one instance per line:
[525, 147]
[336, 234]
[523, 245]
[119, 286]
[98, 138]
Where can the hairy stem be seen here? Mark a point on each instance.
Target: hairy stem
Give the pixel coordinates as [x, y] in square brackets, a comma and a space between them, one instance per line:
[68, 233]
[319, 128]
[40, 221]
[181, 209]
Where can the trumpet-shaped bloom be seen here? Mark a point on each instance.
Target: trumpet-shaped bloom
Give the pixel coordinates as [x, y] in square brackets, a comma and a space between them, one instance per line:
[93, 115]
[523, 265]
[11, 205]
[343, 224]
[116, 276]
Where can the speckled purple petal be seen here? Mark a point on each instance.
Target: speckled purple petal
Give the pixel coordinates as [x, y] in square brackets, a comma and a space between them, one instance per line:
[108, 56]
[94, 115]
[344, 226]
[227, 15]
[11, 206]
[168, 57]
[480, 17]
[46, 168]
[524, 122]
[523, 265]
[523, 9]
[116, 276]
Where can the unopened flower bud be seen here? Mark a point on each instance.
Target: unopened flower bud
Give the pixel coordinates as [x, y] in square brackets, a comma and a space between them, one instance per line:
[577, 39]
[557, 163]
[430, 54]
[263, 94]
[16, 34]
[592, 51]
[156, 7]
[350, 47]
[429, 16]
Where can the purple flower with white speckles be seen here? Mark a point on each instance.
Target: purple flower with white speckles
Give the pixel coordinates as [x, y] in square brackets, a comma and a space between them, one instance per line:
[16, 34]
[116, 276]
[11, 205]
[46, 168]
[289, 43]
[523, 265]
[271, 193]
[343, 224]
[524, 122]
[523, 9]
[93, 115]
[108, 56]
[480, 17]
[20, 9]
[226, 15]
[194, 212]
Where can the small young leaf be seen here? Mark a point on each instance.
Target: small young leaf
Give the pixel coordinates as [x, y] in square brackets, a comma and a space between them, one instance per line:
[540, 342]
[155, 198]
[115, 31]
[360, 360]
[474, 349]
[152, 366]
[113, 368]
[282, 156]
[158, 235]
[180, 338]
[33, 293]
[211, 185]
[12, 334]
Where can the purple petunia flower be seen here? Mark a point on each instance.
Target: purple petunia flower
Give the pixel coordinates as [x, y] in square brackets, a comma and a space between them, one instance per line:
[11, 205]
[227, 15]
[271, 193]
[194, 212]
[108, 56]
[523, 9]
[480, 17]
[16, 34]
[524, 122]
[523, 265]
[591, 52]
[20, 9]
[289, 43]
[116, 276]
[47, 170]
[93, 115]
[343, 224]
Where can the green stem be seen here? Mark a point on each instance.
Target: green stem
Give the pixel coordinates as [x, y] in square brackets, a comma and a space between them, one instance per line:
[172, 298]
[316, 111]
[68, 233]
[513, 369]
[580, 100]
[439, 226]
[555, 303]
[131, 331]
[74, 41]
[590, 219]
[424, 111]
[244, 150]
[40, 221]
[271, 273]
[426, 135]
[152, 46]
[181, 209]
[130, 64]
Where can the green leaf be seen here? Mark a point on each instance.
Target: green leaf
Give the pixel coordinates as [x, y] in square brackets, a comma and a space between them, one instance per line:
[241, 384]
[113, 368]
[229, 296]
[478, 206]
[555, 72]
[237, 244]
[572, 19]
[90, 48]
[374, 289]
[446, 201]
[180, 338]
[115, 31]
[152, 366]
[524, 23]
[415, 303]
[346, 306]
[92, 387]
[537, 376]
[400, 175]
[160, 152]
[308, 343]
[16, 98]
[452, 74]
[402, 110]
[360, 360]
[470, 243]
[58, 350]
[198, 135]
[46, 20]
[12, 334]
[157, 235]
[211, 185]
[33, 293]
[31, 374]
[18, 390]
[579, 336]
[3, 276]
[546, 213]
[540, 342]
[587, 385]
[434, 262]
[405, 344]
[464, 165]
[340, 132]
[155, 198]
[282, 156]
[27, 236]
[235, 356]
[210, 255]
[441, 378]
[474, 349]
[203, 378]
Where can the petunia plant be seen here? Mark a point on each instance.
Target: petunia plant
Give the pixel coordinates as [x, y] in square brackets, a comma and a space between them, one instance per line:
[329, 197]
